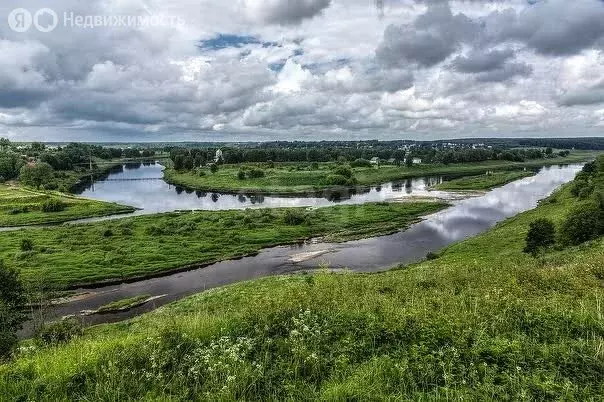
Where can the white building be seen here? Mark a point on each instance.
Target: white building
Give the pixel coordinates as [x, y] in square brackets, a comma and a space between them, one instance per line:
[218, 157]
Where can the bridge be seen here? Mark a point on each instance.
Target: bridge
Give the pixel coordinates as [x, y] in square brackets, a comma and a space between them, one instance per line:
[137, 179]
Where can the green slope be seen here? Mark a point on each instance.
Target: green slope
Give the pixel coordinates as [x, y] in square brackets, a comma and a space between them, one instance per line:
[484, 321]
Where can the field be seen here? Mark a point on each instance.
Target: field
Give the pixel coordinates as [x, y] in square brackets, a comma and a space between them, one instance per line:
[292, 178]
[483, 321]
[138, 247]
[22, 206]
[484, 181]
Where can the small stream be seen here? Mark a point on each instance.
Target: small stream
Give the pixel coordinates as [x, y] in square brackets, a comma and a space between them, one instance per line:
[465, 218]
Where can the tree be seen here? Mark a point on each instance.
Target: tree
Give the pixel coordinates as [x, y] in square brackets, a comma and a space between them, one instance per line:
[541, 235]
[409, 161]
[213, 168]
[583, 224]
[549, 151]
[12, 301]
[36, 175]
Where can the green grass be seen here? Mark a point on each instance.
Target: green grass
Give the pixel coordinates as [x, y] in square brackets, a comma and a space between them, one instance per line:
[124, 304]
[294, 178]
[484, 321]
[484, 181]
[21, 206]
[137, 247]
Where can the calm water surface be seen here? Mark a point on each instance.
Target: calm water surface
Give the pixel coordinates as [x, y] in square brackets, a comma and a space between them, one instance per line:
[466, 218]
[141, 186]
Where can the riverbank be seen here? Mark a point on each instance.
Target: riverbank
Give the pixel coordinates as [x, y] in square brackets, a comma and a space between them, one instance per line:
[20, 206]
[296, 179]
[482, 321]
[134, 248]
[483, 182]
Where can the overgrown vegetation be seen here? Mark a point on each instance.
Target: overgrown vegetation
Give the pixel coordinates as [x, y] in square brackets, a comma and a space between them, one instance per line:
[12, 302]
[298, 178]
[484, 321]
[584, 222]
[67, 256]
[21, 206]
[124, 304]
[485, 181]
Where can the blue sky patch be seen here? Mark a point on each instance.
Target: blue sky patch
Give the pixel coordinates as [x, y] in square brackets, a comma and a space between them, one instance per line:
[225, 41]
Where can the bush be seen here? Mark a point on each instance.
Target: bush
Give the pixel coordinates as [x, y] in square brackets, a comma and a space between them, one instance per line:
[241, 174]
[108, 233]
[213, 168]
[541, 236]
[255, 173]
[12, 301]
[27, 245]
[361, 163]
[343, 171]
[53, 206]
[60, 332]
[583, 224]
[294, 217]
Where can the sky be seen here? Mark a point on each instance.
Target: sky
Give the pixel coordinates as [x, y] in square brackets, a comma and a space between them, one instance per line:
[260, 70]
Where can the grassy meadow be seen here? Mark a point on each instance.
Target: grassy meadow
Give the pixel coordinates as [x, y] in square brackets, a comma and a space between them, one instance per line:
[20, 206]
[300, 178]
[484, 181]
[137, 247]
[483, 321]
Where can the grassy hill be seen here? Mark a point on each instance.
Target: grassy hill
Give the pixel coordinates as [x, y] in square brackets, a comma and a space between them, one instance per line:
[483, 321]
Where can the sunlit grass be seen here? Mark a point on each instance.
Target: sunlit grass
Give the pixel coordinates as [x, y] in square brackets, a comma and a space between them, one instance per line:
[23, 206]
[484, 321]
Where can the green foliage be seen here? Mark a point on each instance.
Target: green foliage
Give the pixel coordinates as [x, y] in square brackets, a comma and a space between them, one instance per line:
[36, 175]
[12, 302]
[360, 163]
[241, 174]
[540, 237]
[255, 173]
[58, 332]
[294, 217]
[584, 223]
[53, 205]
[484, 181]
[27, 245]
[214, 168]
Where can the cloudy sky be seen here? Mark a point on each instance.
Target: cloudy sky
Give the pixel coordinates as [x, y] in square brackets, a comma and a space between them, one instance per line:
[303, 69]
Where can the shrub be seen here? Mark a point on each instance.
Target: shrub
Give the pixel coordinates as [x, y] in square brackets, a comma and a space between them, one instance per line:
[241, 174]
[12, 301]
[108, 233]
[361, 163]
[541, 235]
[213, 168]
[583, 224]
[343, 171]
[27, 245]
[60, 332]
[294, 217]
[53, 206]
[336, 180]
[255, 173]
[432, 256]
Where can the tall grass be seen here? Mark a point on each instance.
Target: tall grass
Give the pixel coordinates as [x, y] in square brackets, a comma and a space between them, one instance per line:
[484, 321]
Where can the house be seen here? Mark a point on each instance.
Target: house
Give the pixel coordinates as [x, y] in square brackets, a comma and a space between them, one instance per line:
[417, 161]
[391, 161]
[375, 160]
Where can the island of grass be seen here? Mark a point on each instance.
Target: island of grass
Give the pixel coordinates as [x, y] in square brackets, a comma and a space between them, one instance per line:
[123, 305]
[483, 321]
[139, 247]
[21, 206]
[307, 178]
[483, 182]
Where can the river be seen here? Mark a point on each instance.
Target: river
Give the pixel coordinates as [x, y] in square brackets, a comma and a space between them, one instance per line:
[465, 218]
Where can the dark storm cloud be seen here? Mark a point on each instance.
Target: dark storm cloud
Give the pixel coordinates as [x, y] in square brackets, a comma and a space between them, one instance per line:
[556, 27]
[285, 12]
[480, 61]
[434, 37]
[506, 72]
